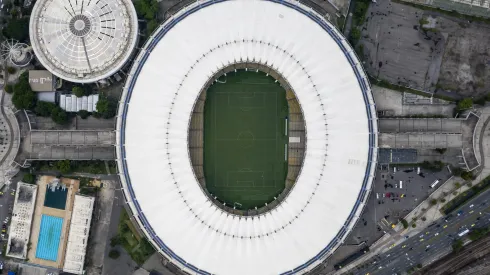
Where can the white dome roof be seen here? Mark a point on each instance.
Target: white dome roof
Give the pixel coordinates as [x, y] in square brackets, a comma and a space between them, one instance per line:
[83, 41]
[339, 163]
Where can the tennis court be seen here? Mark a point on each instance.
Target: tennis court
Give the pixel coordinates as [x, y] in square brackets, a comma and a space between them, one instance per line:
[245, 139]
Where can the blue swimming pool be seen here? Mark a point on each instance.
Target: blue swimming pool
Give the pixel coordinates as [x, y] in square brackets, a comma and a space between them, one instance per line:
[49, 238]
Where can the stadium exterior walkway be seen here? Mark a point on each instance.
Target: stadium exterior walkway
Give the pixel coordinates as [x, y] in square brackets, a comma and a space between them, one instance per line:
[431, 133]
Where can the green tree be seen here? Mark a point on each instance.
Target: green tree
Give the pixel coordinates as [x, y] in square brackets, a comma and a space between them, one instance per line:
[83, 114]
[457, 245]
[29, 178]
[404, 223]
[355, 35]
[151, 26]
[478, 233]
[24, 100]
[11, 70]
[64, 166]
[114, 254]
[9, 88]
[17, 29]
[146, 9]
[78, 91]
[106, 107]
[441, 150]
[360, 12]
[44, 108]
[14, 13]
[464, 104]
[467, 175]
[59, 116]
[433, 202]
[116, 241]
[23, 97]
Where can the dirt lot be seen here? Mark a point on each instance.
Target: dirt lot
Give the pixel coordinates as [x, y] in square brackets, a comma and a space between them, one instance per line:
[425, 50]
[466, 62]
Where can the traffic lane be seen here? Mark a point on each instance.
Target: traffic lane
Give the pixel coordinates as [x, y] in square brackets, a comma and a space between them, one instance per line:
[479, 203]
[417, 255]
[442, 240]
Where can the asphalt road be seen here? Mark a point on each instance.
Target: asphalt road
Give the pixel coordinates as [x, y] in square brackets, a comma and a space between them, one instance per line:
[433, 243]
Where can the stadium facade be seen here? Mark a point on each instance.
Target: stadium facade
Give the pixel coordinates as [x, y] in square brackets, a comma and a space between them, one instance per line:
[164, 83]
[83, 41]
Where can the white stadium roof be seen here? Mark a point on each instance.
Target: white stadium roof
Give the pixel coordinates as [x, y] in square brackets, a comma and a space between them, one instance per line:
[158, 99]
[83, 40]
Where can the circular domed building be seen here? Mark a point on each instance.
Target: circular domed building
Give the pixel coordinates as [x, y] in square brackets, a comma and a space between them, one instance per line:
[83, 41]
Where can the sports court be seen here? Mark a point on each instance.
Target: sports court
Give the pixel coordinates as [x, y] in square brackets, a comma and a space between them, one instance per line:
[245, 139]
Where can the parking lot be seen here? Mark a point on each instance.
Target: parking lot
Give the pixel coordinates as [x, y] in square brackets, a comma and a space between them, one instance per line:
[388, 203]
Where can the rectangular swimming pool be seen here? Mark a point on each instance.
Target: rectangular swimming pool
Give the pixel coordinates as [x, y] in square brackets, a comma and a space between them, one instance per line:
[49, 238]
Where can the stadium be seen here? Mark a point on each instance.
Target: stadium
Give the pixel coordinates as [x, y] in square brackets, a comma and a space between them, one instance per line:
[246, 138]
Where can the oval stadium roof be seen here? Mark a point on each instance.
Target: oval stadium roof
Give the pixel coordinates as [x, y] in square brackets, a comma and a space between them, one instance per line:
[152, 128]
[83, 40]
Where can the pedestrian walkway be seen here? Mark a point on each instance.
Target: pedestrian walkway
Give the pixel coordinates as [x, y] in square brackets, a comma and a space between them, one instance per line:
[10, 142]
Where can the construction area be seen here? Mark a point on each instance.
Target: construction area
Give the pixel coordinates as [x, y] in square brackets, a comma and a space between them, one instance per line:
[425, 50]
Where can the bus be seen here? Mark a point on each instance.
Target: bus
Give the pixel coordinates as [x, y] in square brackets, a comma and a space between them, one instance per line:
[464, 232]
[434, 184]
[401, 184]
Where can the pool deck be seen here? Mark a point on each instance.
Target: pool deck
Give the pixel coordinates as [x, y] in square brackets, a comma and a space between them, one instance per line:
[40, 209]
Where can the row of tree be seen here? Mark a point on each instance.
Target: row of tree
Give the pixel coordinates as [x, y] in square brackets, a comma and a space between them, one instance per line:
[24, 98]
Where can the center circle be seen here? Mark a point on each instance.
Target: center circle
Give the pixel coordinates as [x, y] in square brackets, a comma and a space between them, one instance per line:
[79, 25]
[247, 139]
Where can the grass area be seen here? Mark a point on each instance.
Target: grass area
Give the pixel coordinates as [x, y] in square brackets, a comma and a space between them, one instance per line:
[466, 196]
[74, 166]
[386, 84]
[245, 139]
[128, 237]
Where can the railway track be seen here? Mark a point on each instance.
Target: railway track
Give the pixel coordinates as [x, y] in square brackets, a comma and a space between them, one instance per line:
[454, 262]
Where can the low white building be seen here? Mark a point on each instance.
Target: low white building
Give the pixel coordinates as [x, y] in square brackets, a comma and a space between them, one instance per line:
[72, 103]
[78, 235]
[20, 227]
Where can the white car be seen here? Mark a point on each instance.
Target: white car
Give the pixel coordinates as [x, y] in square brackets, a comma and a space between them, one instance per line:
[436, 234]
[471, 206]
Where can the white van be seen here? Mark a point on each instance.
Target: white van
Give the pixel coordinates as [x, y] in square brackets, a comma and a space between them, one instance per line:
[377, 196]
[418, 170]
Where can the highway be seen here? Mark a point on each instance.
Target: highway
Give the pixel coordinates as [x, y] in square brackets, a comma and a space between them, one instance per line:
[432, 243]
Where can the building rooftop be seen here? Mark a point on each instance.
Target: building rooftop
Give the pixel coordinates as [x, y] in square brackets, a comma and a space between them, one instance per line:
[83, 41]
[152, 138]
[41, 81]
[78, 235]
[22, 214]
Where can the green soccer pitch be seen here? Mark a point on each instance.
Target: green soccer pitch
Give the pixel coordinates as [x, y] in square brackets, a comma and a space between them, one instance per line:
[245, 139]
